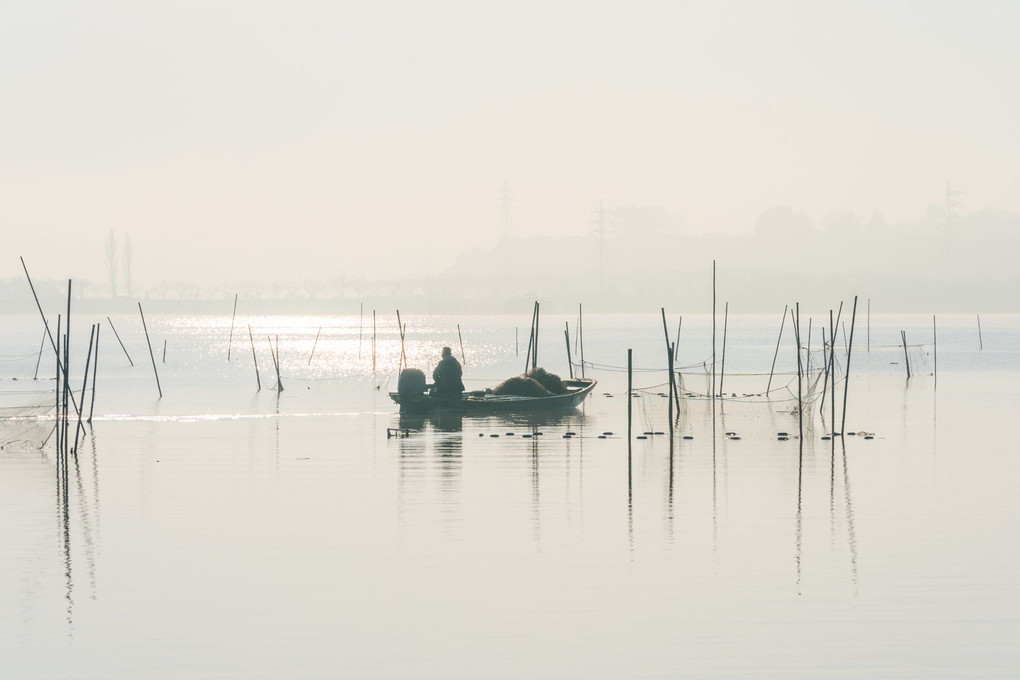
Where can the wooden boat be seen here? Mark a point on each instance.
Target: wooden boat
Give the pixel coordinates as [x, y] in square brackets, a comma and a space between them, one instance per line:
[484, 402]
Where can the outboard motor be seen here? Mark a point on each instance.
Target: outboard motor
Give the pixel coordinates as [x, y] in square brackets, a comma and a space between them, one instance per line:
[411, 383]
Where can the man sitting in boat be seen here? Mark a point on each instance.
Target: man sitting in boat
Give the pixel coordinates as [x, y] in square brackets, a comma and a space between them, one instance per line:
[447, 376]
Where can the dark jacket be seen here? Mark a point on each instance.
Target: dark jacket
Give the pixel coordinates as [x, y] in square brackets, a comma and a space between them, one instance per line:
[447, 377]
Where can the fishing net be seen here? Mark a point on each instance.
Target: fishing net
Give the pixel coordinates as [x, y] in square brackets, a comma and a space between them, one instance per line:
[26, 415]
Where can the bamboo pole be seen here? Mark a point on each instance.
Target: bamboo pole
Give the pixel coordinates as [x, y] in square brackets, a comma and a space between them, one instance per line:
[669, 350]
[463, 357]
[276, 361]
[151, 355]
[117, 335]
[676, 345]
[164, 351]
[42, 345]
[57, 389]
[531, 338]
[402, 359]
[832, 375]
[84, 386]
[517, 343]
[314, 343]
[779, 340]
[95, 369]
[230, 339]
[713, 334]
[534, 359]
[254, 358]
[800, 381]
[981, 342]
[906, 357]
[669, 361]
[846, 381]
[722, 368]
[580, 337]
[566, 336]
[630, 394]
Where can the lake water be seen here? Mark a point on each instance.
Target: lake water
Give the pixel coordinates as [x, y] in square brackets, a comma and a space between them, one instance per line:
[227, 532]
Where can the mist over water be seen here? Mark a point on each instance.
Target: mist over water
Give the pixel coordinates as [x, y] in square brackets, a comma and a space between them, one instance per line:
[223, 531]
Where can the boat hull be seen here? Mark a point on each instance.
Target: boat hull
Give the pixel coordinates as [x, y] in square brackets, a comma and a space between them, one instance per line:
[481, 403]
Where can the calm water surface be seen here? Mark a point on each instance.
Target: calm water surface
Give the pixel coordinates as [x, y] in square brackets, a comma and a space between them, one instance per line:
[225, 532]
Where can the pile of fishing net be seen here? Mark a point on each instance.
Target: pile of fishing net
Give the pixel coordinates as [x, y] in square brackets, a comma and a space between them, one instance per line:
[535, 383]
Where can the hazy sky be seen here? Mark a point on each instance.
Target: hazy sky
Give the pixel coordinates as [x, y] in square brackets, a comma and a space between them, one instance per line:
[251, 140]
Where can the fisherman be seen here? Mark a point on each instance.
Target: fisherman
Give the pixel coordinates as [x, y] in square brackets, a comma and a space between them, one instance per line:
[447, 376]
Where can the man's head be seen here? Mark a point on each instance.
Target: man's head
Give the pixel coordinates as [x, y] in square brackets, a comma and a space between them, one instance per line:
[447, 352]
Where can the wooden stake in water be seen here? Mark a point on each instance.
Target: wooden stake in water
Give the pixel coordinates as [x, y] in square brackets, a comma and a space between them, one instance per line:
[800, 373]
[276, 361]
[580, 337]
[529, 355]
[981, 342]
[534, 356]
[164, 352]
[117, 335]
[84, 386]
[361, 325]
[630, 393]
[95, 369]
[779, 340]
[463, 357]
[373, 341]
[846, 380]
[669, 360]
[566, 336]
[400, 333]
[935, 350]
[725, 325]
[906, 357]
[676, 351]
[42, 344]
[254, 358]
[230, 339]
[714, 391]
[314, 343]
[151, 355]
[669, 349]
[517, 344]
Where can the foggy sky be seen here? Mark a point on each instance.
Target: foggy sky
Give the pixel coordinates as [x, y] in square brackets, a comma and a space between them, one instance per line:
[256, 140]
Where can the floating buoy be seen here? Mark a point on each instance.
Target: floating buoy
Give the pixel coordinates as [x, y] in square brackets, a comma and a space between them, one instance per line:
[602, 436]
[538, 434]
[607, 433]
[784, 439]
[869, 437]
[783, 434]
[526, 436]
[826, 438]
[851, 434]
[660, 433]
[687, 436]
[571, 433]
[641, 436]
[730, 434]
[509, 434]
[567, 436]
[649, 433]
[481, 434]
[733, 439]
[493, 435]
